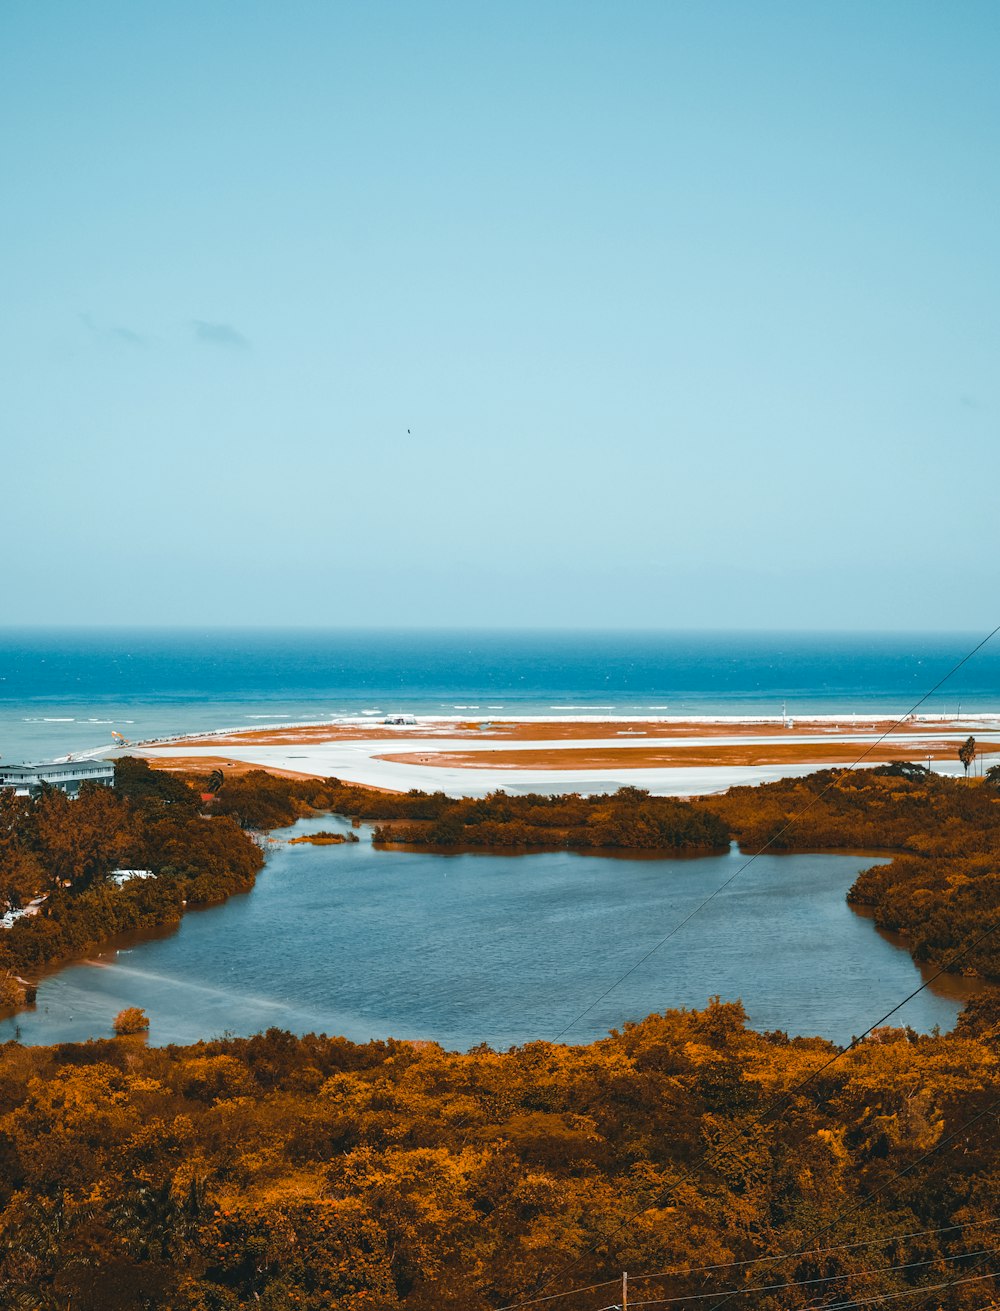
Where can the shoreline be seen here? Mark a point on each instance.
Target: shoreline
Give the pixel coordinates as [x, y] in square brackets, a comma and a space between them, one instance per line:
[165, 928]
[670, 755]
[795, 723]
[958, 987]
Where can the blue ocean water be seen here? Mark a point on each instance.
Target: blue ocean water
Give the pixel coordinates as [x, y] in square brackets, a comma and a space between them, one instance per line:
[64, 690]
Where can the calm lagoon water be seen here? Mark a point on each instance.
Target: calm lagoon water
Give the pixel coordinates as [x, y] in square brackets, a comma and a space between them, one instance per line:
[472, 948]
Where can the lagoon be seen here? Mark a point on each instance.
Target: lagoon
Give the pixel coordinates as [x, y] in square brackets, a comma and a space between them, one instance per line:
[503, 949]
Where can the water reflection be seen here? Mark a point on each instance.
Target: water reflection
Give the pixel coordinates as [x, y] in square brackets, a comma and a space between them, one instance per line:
[481, 947]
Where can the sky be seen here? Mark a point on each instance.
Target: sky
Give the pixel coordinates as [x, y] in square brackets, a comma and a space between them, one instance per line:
[654, 314]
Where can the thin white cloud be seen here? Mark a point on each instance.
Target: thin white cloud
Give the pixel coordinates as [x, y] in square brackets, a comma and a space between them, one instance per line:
[219, 334]
[114, 333]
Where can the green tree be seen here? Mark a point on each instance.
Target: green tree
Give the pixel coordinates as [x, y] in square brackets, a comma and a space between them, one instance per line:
[967, 753]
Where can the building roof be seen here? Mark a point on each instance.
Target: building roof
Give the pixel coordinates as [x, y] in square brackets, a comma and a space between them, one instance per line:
[57, 769]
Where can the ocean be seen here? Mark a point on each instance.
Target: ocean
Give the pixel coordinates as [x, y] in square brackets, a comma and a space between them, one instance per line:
[64, 690]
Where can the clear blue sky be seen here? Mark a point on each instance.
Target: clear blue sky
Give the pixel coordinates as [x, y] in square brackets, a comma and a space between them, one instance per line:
[690, 309]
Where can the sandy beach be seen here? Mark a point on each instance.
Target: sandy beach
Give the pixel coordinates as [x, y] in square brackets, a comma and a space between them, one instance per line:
[670, 756]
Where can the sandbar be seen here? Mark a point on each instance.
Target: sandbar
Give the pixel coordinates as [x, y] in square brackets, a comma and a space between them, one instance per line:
[670, 756]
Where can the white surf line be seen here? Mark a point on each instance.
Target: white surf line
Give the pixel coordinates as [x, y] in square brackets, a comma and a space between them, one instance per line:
[983, 723]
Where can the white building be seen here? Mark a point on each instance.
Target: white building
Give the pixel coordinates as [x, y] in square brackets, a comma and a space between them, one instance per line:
[67, 775]
[119, 877]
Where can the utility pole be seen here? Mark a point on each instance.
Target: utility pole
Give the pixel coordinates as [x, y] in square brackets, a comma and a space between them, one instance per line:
[624, 1290]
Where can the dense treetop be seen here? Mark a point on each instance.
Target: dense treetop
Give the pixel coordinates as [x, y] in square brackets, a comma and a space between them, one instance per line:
[941, 889]
[627, 819]
[67, 848]
[278, 1172]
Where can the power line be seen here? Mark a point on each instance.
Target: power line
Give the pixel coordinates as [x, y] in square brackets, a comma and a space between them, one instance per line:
[866, 1301]
[823, 1251]
[900, 1174]
[782, 1100]
[775, 836]
[687, 1174]
[855, 1042]
[841, 1215]
[760, 1260]
[909, 1292]
[808, 1283]
[993, 1107]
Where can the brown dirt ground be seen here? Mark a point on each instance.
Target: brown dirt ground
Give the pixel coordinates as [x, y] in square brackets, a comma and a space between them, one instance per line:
[818, 753]
[205, 765]
[557, 731]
